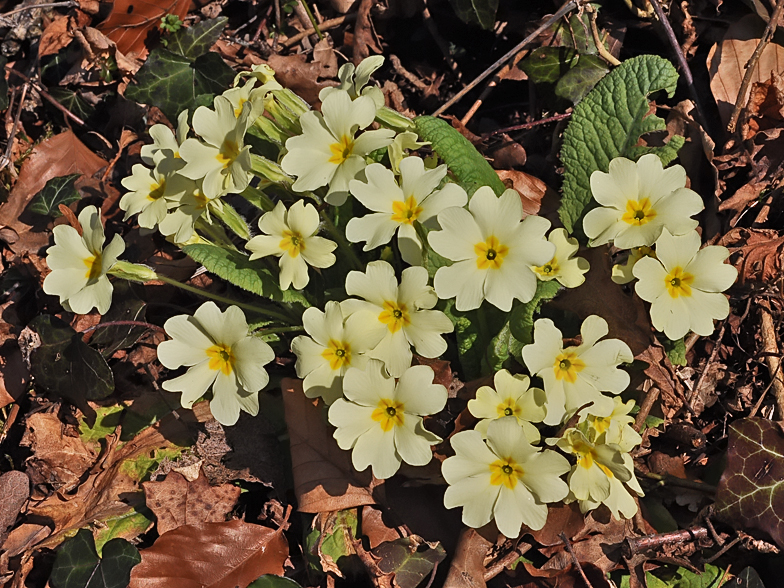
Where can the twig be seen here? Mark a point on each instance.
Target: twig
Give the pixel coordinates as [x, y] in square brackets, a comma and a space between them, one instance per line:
[712, 357]
[645, 408]
[681, 62]
[325, 26]
[529, 125]
[633, 545]
[773, 378]
[568, 7]
[491, 85]
[771, 349]
[123, 324]
[606, 55]
[432, 574]
[568, 545]
[722, 551]
[312, 19]
[443, 47]
[680, 482]
[398, 67]
[767, 35]
[68, 4]
[44, 94]
[10, 146]
[504, 562]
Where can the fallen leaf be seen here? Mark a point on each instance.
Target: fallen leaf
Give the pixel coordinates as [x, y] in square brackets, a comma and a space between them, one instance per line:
[408, 560]
[15, 490]
[761, 252]
[59, 33]
[766, 106]
[211, 555]
[531, 189]
[78, 564]
[298, 76]
[324, 479]
[662, 373]
[561, 518]
[130, 21]
[467, 568]
[375, 528]
[727, 62]
[176, 501]
[14, 375]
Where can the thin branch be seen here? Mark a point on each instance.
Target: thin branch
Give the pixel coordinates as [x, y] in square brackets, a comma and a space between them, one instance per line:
[704, 374]
[633, 545]
[44, 94]
[67, 4]
[568, 7]
[312, 19]
[568, 545]
[529, 125]
[324, 26]
[124, 324]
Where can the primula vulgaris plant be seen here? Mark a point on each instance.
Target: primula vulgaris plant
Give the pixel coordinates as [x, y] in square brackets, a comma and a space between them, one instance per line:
[354, 304]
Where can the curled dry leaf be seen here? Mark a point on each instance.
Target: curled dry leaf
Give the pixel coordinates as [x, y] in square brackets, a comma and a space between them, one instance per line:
[298, 76]
[59, 33]
[662, 373]
[176, 501]
[532, 190]
[324, 479]
[131, 20]
[760, 253]
[211, 555]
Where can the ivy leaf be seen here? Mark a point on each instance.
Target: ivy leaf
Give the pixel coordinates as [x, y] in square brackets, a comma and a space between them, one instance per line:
[195, 41]
[569, 74]
[236, 267]
[78, 566]
[406, 559]
[608, 123]
[581, 78]
[521, 323]
[750, 494]
[749, 578]
[72, 101]
[480, 12]
[681, 578]
[462, 158]
[59, 190]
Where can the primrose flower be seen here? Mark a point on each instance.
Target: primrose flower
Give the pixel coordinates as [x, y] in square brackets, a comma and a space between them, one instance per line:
[493, 249]
[505, 478]
[684, 284]
[402, 312]
[568, 270]
[600, 474]
[512, 397]
[397, 207]
[400, 144]
[576, 376]
[152, 190]
[291, 235]
[335, 346]
[622, 274]
[192, 204]
[353, 80]
[616, 426]
[638, 200]
[382, 421]
[164, 140]
[223, 159]
[219, 354]
[79, 264]
[328, 152]
[248, 93]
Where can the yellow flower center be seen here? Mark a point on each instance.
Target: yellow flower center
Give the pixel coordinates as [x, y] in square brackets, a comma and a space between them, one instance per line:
[406, 212]
[490, 254]
[638, 212]
[601, 424]
[395, 316]
[292, 242]
[341, 150]
[238, 110]
[229, 151]
[508, 408]
[221, 358]
[549, 269]
[94, 265]
[678, 282]
[567, 365]
[586, 457]
[201, 199]
[156, 190]
[338, 354]
[388, 414]
[505, 471]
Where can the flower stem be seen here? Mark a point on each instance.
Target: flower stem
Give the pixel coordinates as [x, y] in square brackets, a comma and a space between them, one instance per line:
[275, 330]
[249, 307]
[123, 324]
[341, 241]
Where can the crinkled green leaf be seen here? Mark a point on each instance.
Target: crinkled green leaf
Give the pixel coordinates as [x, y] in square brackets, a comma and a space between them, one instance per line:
[192, 42]
[521, 323]
[108, 417]
[481, 12]
[462, 158]
[676, 350]
[236, 268]
[497, 352]
[59, 190]
[127, 525]
[408, 559]
[681, 578]
[750, 496]
[475, 331]
[77, 564]
[270, 581]
[608, 123]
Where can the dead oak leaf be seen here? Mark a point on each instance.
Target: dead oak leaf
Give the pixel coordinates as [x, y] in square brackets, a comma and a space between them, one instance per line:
[761, 252]
[131, 20]
[177, 501]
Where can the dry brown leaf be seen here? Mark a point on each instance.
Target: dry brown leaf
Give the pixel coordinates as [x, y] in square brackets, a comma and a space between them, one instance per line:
[376, 529]
[131, 20]
[467, 568]
[324, 479]
[531, 189]
[211, 555]
[57, 156]
[298, 76]
[97, 51]
[662, 373]
[508, 154]
[14, 375]
[175, 501]
[60, 32]
[58, 459]
[727, 61]
[15, 490]
[761, 252]
[561, 518]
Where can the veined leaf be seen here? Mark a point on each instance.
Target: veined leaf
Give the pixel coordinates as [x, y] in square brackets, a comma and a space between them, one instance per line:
[192, 42]
[608, 123]
[60, 190]
[236, 267]
[481, 12]
[78, 566]
[521, 323]
[462, 158]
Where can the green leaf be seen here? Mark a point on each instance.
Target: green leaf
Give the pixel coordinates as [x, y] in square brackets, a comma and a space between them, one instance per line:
[126, 306]
[236, 268]
[270, 581]
[67, 366]
[475, 331]
[681, 578]
[128, 524]
[407, 560]
[77, 564]
[72, 101]
[751, 494]
[192, 42]
[749, 578]
[582, 76]
[59, 190]
[521, 323]
[232, 219]
[608, 123]
[480, 12]
[462, 158]
[337, 541]
[175, 83]
[105, 424]
[676, 350]
[497, 352]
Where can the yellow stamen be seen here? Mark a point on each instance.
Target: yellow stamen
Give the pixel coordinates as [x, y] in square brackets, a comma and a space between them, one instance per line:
[238, 110]
[94, 265]
[341, 150]
[229, 151]
[395, 316]
[678, 282]
[508, 408]
[156, 190]
[505, 471]
[406, 212]
[567, 365]
[388, 413]
[549, 269]
[601, 424]
[490, 254]
[292, 242]
[337, 353]
[221, 358]
[638, 212]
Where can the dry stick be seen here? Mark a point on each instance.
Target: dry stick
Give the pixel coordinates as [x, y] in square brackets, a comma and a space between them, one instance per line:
[682, 62]
[569, 6]
[40, 89]
[398, 67]
[6, 159]
[757, 404]
[712, 357]
[575, 560]
[529, 125]
[767, 35]
[645, 408]
[771, 348]
[442, 46]
[606, 55]
[68, 4]
[324, 26]
[634, 545]
[500, 565]
[490, 86]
